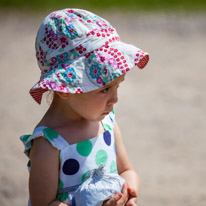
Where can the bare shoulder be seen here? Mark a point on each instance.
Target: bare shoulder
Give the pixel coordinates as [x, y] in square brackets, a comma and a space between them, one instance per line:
[43, 150]
[44, 172]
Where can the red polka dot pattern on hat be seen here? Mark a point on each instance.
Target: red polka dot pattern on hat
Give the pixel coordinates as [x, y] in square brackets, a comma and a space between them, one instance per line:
[116, 55]
[60, 44]
[140, 61]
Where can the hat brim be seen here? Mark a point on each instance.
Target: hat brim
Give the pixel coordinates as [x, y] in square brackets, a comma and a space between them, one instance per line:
[116, 58]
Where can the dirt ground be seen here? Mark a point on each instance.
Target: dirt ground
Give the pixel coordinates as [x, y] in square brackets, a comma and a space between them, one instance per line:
[161, 109]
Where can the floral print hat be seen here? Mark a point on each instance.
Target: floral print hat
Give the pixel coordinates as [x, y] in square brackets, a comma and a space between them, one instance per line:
[78, 51]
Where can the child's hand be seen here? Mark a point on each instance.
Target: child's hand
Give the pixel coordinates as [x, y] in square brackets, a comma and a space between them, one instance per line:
[120, 198]
[132, 197]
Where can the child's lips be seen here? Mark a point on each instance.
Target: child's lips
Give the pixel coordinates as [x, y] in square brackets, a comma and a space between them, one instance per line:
[106, 113]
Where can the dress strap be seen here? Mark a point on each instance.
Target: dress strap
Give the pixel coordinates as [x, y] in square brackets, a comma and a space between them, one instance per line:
[108, 121]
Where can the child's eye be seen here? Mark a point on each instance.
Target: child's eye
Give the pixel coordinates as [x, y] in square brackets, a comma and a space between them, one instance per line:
[105, 90]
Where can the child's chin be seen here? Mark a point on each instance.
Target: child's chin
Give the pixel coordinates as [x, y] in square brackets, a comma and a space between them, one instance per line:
[100, 118]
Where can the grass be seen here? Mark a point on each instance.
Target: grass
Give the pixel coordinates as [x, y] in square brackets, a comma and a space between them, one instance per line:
[108, 5]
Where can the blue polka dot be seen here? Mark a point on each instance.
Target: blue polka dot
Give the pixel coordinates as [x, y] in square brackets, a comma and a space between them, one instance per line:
[73, 201]
[111, 118]
[107, 138]
[70, 167]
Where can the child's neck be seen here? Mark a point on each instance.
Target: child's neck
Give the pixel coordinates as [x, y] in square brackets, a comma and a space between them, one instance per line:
[72, 127]
[59, 115]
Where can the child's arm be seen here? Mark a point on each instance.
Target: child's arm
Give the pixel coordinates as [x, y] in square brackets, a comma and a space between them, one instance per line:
[125, 168]
[43, 180]
[128, 196]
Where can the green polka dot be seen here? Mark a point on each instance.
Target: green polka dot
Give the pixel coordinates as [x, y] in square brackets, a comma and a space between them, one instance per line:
[62, 197]
[25, 138]
[84, 175]
[50, 134]
[28, 145]
[107, 127]
[101, 157]
[84, 148]
[113, 112]
[113, 167]
[60, 185]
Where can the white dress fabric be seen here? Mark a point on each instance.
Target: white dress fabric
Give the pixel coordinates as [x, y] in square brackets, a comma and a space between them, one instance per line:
[77, 160]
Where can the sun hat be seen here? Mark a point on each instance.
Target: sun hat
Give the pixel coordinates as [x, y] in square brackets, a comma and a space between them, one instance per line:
[78, 51]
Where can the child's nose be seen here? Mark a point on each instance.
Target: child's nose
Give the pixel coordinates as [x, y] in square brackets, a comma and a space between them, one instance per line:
[113, 99]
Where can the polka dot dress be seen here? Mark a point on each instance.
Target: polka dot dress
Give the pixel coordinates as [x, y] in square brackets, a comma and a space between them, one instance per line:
[76, 160]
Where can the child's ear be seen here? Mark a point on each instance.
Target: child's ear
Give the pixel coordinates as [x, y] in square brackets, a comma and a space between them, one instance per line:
[62, 95]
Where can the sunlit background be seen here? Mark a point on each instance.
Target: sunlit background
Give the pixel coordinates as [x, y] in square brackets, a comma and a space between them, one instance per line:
[109, 5]
[161, 109]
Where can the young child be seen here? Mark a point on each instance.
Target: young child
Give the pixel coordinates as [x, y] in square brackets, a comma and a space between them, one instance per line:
[83, 62]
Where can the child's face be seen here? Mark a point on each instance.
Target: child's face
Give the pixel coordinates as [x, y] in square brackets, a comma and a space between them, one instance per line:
[94, 105]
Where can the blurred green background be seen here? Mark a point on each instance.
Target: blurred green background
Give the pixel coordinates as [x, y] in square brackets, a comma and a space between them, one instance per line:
[128, 5]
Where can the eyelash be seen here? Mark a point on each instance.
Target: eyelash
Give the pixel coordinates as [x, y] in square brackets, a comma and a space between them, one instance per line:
[105, 90]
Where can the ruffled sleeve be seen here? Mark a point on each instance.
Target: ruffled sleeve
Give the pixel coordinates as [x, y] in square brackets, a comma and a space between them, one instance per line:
[52, 136]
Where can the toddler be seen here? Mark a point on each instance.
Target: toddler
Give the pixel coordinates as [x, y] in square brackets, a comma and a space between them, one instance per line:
[83, 61]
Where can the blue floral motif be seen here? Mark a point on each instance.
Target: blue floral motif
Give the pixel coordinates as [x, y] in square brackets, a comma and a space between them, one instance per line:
[70, 31]
[69, 75]
[62, 57]
[95, 71]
